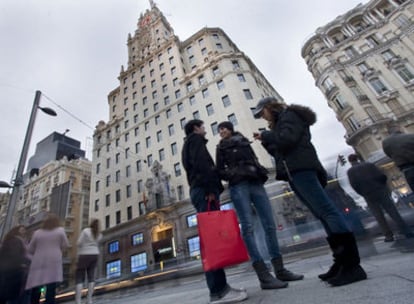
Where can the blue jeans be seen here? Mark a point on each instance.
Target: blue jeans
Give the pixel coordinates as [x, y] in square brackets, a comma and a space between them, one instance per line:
[216, 279]
[309, 190]
[243, 195]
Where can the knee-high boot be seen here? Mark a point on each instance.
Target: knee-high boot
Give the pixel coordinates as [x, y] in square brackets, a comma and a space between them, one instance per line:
[348, 257]
[78, 293]
[91, 287]
[333, 270]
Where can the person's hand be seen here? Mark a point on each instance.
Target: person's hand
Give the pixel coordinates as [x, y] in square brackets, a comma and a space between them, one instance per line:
[211, 197]
[257, 135]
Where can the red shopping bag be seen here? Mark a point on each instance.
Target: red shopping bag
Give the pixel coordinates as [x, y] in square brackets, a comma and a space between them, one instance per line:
[220, 241]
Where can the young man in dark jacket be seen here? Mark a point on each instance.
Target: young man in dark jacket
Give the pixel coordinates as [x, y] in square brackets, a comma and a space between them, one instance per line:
[205, 186]
[238, 164]
[289, 142]
[371, 183]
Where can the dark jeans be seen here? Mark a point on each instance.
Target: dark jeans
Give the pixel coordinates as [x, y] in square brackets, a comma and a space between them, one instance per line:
[309, 190]
[216, 279]
[50, 294]
[379, 201]
[86, 264]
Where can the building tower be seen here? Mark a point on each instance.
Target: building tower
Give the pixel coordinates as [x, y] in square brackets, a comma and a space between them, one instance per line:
[363, 63]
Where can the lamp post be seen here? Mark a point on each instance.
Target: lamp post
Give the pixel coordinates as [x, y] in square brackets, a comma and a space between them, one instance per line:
[18, 181]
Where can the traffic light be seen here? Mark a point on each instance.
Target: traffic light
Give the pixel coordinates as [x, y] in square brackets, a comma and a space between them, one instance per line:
[341, 159]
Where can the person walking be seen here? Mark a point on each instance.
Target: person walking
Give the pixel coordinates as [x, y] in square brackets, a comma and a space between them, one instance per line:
[289, 142]
[14, 263]
[205, 186]
[88, 252]
[237, 163]
[46, 268]
[400, 148]
[371, 183]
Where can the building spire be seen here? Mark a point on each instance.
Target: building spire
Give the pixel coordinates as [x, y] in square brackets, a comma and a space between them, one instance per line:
[152, 4]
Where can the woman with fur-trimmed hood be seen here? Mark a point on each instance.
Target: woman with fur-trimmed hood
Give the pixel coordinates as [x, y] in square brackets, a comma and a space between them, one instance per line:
[289, 142]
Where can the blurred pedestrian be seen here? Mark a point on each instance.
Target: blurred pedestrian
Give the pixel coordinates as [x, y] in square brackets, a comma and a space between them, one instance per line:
[237, 163]
[371, 183]
[289, 142]
[400, 148]
[205, 186]
[88, 252]
[46, 268]
[14, 263]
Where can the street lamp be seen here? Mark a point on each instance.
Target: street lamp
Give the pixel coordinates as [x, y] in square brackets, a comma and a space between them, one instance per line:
[18, 181]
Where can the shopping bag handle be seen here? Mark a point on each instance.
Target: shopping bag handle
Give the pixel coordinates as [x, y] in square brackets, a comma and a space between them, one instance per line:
[216, 202]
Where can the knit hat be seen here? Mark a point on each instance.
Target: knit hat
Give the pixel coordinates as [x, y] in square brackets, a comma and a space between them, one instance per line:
[227, 125]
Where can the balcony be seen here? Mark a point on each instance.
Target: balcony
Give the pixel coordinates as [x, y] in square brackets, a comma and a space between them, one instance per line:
[330, 93]
[363, 99]
[388, 95]
[349, 80]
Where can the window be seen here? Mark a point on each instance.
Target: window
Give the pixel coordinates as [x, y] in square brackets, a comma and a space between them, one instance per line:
[98, 168]
[108, 180]
[108, 163]
[191, 220]
[177, 169]
[157, 119]
[405, 74]
[352, 123]
[219, 46]
[192, 100]
[144, 100]
[235, 64]
[194, 246]
[118, 217]
[201, 80]
[107, 200]
[180, 192]
[139, 262]
[145, 112]
[137, 239]
[182, 123]
[226, 101]
[139, 165]
[388, 55]
[154, 95]
[137, 147]
[126, 137]
[171, 60]
[340, 102]
[201, 42]
[113, 269]
[196, 115]
[166, 100]
[171, 130]
[117, 157]
[161, 154]
[139, 185]
[191, 59]
[175, 82]
[96, 205]
[164, 88]
[162, 76]
[205, 93]
[220, 84]
[189, 87]
[148, 141]
[174, 149]
[373, 41]
[362, 67]
[141, 208]
[214, 128]
[216, 71]
[203, 51]
[149, 160]
[168, 113]
[146, 125]
[152, 73]
[177, 94]
[173, 70]
[107, 222]
[129, 213]
[142, 78]
[241, 78]
[96, 186]
[232, 118]
[159, 136]
[180, 107]
[210, 109]
[113, 247]
[118, 196]
[135, 118]
[156, 107]
[143, 89]
[378, 86]
[247, 94]
[161, 66]
[128, 171]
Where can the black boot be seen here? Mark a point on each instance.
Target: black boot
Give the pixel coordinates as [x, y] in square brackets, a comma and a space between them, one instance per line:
[334, 269]
[267, 281]
[350, 270]
[282, 273]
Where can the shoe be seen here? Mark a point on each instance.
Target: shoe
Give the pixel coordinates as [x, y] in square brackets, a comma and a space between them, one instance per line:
[389, 239]
[348, 276]
[233, 295]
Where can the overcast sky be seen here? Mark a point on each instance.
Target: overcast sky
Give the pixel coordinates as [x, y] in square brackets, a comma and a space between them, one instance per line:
[72, 51]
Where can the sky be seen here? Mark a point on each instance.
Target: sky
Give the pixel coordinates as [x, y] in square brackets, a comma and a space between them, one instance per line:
[72, 51]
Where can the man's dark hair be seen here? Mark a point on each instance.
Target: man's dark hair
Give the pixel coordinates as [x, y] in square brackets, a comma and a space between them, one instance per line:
[189, 126]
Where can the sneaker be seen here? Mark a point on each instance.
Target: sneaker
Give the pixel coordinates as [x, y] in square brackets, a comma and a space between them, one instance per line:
[233, 295]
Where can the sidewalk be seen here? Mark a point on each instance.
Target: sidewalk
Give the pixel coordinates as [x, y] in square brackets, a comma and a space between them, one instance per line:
[390, 269]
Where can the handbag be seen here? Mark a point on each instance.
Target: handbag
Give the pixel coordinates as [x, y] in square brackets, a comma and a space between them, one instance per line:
[221, 243]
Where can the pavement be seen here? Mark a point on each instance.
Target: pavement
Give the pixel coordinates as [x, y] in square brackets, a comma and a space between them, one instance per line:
[390, 269]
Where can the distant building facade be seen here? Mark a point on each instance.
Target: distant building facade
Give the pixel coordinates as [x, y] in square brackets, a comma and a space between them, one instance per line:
[363, 63]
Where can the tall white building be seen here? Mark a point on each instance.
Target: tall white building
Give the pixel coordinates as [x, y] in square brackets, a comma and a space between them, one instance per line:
[363, 61]
[165, 83]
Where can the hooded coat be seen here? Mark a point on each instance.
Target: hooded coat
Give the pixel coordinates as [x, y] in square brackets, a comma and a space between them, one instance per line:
[289, 142]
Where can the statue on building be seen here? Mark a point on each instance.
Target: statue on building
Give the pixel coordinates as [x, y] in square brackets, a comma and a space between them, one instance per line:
[160, 193]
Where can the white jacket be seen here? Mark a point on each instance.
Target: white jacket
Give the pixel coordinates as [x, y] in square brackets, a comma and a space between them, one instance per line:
[87, 244]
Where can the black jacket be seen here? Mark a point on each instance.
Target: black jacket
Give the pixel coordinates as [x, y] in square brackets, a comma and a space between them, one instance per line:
[237, 162]
[366, 178]
[289, 142]
[199, 165]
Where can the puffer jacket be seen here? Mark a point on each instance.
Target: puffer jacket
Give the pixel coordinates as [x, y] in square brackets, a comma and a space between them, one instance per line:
[199, 165]
[289, 142]
[236, 161]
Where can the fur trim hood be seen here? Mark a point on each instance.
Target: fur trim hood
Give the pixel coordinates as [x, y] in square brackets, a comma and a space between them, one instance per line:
[308, 115]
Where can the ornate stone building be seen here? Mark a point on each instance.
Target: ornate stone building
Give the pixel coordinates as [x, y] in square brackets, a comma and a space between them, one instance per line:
[363, 62]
